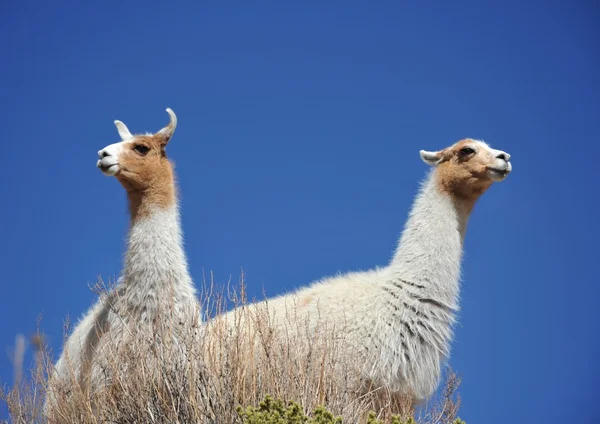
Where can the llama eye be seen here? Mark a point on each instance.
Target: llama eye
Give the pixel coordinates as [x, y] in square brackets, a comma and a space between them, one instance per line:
[141, 149]
[466, 151]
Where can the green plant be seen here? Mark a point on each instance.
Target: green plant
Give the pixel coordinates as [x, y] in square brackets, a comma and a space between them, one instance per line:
[274, 411]
[271, 411]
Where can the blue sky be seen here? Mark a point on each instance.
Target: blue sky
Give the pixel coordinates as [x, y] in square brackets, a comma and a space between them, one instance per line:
[297, 155]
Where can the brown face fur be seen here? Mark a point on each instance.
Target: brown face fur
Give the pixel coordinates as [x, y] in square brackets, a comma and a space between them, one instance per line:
[143, 162]
[140, 164]
[464, 175]
[146, 173]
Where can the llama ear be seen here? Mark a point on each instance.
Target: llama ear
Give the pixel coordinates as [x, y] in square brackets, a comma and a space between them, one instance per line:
[123, 131]
[431, 158]
[167, 132]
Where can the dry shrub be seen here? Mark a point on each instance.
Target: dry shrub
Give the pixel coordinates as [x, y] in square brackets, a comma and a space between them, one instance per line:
[226, 365]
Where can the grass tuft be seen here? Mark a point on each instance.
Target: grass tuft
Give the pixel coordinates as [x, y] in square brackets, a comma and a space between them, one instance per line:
[232, 374]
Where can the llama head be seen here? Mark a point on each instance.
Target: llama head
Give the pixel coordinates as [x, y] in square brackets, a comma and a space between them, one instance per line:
[138, 161]
[469, 166]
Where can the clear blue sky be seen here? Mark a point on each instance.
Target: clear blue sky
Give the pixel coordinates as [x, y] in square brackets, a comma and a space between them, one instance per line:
[297, 155]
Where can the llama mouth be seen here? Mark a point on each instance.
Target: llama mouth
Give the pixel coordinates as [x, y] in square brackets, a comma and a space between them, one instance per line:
[499, 174]
[109, 170]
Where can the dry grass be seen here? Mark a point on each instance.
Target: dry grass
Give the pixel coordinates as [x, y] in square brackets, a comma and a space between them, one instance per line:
[226, 366]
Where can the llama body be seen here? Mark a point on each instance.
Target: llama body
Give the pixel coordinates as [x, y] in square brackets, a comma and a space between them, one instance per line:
[397, 320]
[155, 295]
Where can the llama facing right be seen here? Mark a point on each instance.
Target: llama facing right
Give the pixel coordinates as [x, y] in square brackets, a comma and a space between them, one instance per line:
[397, 321]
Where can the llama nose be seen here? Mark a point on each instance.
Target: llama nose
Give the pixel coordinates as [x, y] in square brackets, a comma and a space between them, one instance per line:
[103, 153]
[504, 156]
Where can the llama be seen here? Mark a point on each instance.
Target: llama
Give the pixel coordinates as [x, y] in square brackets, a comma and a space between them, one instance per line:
[398, 320]
[155, 291]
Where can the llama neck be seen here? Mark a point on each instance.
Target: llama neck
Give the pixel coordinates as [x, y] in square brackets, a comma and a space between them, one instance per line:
[143, 203]
[420, 291]
[156, 270]
[430, 249]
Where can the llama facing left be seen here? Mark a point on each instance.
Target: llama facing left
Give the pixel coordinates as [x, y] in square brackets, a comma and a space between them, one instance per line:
[155, 295]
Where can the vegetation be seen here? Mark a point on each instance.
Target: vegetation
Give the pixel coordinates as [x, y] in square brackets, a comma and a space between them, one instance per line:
[272, 411]
[234, 375]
